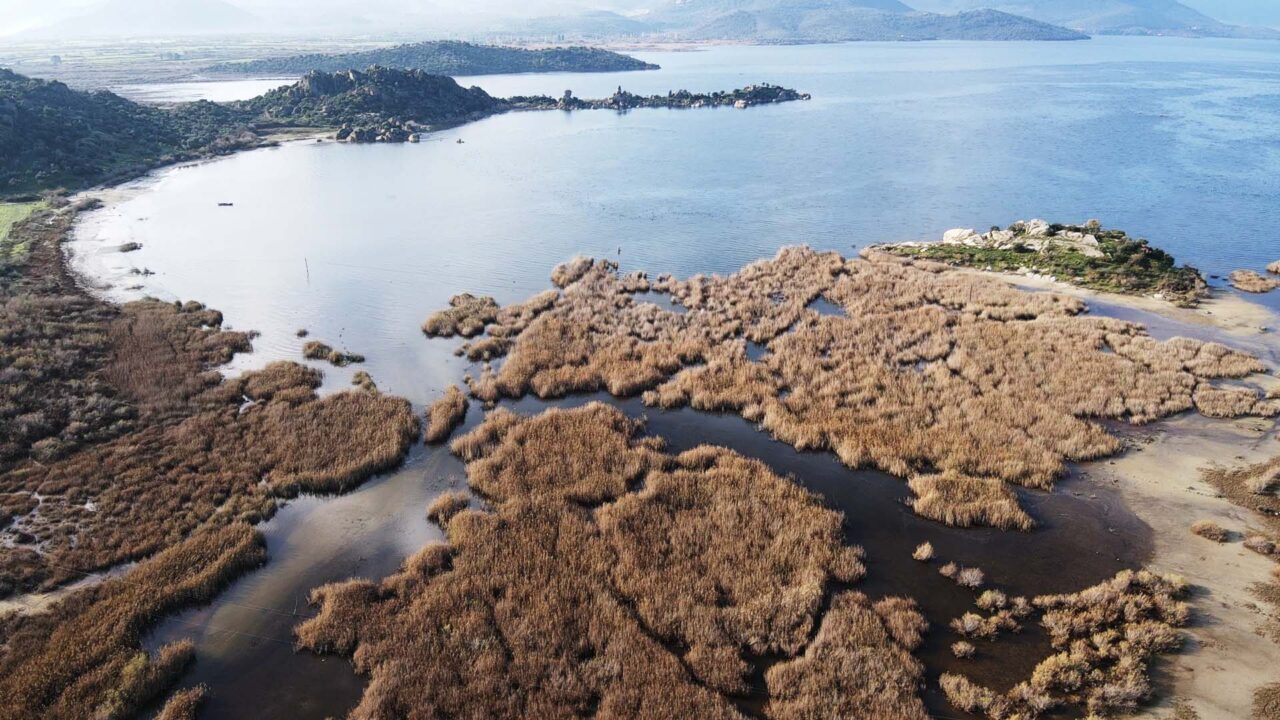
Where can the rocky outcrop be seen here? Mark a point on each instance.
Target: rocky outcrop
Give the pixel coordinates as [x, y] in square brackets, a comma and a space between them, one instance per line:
[1086, 255]
[1037, 235]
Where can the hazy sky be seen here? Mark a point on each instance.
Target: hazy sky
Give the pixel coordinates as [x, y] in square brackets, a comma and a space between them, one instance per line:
[23, 14]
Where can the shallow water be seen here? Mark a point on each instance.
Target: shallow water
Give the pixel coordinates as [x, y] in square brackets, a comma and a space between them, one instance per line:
[1171, 139]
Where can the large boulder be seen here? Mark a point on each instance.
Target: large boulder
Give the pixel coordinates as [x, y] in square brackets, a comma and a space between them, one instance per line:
[961, 236]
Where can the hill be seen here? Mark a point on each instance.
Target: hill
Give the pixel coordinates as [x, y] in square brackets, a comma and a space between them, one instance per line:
[446, 58]
[51, 135]
[152, 18]
[1113, 17]
[843, 20]
[351, 97]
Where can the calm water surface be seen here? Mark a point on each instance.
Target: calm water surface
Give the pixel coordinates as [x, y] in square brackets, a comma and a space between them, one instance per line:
[1174, 140]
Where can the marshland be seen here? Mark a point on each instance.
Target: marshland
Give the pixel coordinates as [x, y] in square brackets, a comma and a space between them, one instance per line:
[365, 266]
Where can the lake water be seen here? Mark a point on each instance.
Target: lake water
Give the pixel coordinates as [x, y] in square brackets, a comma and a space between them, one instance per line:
[1174, 140]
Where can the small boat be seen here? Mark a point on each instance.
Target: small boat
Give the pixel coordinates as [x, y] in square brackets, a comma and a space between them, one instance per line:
[459, 141]
[226, 204]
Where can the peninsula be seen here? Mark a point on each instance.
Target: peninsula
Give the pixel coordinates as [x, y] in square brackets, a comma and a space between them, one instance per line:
[55, 137]
[1085, 255]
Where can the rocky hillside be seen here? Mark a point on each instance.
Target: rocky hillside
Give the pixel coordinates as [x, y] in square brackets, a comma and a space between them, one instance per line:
[322, 99]
[445, 58]
[52, 136]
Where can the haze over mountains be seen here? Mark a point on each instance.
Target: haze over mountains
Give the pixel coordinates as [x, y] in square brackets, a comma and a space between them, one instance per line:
[741, 20]
[837, 20]
[1113, 17]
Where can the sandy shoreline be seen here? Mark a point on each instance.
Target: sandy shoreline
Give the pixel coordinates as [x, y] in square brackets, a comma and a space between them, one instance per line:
[1227, 656]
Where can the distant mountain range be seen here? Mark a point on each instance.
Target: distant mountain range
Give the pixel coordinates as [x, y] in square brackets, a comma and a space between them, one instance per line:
[1112, 17]
[594, 20]
[445, 58]
[841, 20]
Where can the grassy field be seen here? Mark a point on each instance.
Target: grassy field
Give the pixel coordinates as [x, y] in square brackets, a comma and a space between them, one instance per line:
[11, 214]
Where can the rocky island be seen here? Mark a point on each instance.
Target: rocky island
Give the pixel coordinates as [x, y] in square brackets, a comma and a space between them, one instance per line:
[1086, 255]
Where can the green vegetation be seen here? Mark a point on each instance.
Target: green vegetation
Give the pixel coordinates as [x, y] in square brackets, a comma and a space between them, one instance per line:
[52, 136]
[1130, 266]
[11, 214]
[446, 57]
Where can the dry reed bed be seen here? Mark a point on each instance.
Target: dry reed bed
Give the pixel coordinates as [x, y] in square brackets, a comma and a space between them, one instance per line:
[446, 414]
[316, 350]
[54, 340]
[118, 441]
[1253, 282]
[467, 315]
[1104, 638]
[183, 704]
[133, 496]
[959, 380]
[81, 659]
[615, 580]
[1255, 487]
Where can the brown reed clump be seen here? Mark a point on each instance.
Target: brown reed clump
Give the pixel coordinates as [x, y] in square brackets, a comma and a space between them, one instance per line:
[82, 657]
[467, 315]
[974, 626]
[963, 501]
[928, 371]
[613, 579]
[963, 649]
[144, 677]
[1210, 530]
[446, 505]
[1252, 282]
[1251, 486]
[183, 704]
[316, 350]
[1104, 638]
[855, 667]
[568, 273]
[1266, 702]
[923, 552]
[1260, 544]
[446, 414]
[1218, 402]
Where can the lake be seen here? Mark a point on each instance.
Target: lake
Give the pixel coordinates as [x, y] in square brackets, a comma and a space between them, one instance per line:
[1174, 140]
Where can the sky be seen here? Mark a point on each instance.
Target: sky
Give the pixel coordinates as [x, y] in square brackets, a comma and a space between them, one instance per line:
[18, 15]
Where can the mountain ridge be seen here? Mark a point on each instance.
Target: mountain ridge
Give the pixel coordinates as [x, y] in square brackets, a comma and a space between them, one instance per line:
[1113, 17]
[843, 20]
